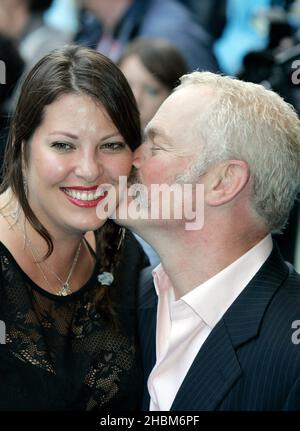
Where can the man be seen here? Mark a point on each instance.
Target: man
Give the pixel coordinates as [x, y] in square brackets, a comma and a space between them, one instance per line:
[113, 25]
[219, 331]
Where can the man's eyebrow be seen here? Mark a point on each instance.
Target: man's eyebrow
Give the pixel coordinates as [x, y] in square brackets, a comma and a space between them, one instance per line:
[154, 132]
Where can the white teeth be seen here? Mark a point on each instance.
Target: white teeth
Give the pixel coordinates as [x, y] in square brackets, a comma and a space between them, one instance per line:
[84, 196]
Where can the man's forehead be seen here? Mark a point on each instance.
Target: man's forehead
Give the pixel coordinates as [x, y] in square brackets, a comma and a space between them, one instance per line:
[176, 117]
[185, 103]
[194, 88]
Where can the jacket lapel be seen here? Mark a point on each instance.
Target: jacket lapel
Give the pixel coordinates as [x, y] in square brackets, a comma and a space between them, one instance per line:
[213, 372]
[147, 301]
[216, 366]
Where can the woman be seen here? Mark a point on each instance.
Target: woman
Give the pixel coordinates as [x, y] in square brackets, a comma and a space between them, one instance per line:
[153, 68]
[70, 329]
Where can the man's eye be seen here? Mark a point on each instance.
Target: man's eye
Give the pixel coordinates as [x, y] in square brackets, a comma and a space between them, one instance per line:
[154, 151]
[113, 146]
[62, 146]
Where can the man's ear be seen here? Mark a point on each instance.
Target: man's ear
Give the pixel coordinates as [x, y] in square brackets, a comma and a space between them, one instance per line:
[226, 181]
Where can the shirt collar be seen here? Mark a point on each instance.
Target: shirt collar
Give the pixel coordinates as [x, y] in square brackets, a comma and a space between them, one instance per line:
[211, 299]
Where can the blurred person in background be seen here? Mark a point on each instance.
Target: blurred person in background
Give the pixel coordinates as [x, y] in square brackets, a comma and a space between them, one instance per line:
[23, 27]
[22, 20]
[12, 67]
[153, 68]
[109, 26]
[211, 14]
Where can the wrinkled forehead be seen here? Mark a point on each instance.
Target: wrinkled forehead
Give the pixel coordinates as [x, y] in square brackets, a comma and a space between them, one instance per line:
[186, 103]
[180, 112]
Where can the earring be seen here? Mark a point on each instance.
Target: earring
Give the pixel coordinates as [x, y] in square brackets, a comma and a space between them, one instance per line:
[122, 232]
[15, 214]
[25, 185]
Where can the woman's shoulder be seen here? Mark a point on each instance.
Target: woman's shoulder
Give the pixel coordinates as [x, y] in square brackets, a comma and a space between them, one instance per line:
[6, 213]
[7, 225]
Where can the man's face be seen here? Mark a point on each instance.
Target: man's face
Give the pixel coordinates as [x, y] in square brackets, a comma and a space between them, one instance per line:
[172, 142]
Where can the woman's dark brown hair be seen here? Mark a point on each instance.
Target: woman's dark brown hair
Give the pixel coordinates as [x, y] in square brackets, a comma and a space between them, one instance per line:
[78, 70]
[160, 58]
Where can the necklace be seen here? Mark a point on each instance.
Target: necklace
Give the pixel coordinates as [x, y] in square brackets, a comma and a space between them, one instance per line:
[65, 288]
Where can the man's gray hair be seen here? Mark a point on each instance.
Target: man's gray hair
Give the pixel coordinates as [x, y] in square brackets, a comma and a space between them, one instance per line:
[248, 122]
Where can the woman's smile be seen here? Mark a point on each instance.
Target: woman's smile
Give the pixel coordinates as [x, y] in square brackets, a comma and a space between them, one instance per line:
[85, 196]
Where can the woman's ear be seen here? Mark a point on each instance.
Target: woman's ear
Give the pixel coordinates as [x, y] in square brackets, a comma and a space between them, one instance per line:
[226, 181]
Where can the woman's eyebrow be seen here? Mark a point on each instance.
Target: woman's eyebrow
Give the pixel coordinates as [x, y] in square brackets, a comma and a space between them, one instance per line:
[59, 132]
[73, 136]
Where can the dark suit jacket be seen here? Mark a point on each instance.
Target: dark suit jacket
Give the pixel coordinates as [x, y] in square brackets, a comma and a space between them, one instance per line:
[249, 361]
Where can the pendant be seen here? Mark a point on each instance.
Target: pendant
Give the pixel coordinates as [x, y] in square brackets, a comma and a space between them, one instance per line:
[65, 290]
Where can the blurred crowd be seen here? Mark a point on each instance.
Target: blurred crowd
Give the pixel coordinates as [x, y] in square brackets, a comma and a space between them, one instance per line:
[259, 38]
[154, 42]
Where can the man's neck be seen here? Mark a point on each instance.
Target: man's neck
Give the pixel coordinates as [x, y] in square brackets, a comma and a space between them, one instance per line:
[193, 259]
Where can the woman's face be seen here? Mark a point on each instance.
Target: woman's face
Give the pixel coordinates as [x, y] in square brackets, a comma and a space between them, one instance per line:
[148, 91]
[76, 149]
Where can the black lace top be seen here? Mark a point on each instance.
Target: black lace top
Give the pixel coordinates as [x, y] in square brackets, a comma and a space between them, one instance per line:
[60, 354]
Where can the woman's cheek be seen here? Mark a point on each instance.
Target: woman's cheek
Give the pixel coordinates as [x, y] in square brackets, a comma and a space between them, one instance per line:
[51, 168]
[121, 167]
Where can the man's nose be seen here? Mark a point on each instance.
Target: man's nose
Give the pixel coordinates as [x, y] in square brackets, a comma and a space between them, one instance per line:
[139, 156]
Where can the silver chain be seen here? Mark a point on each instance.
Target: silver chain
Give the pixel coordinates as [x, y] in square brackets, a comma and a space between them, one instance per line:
[65, 288]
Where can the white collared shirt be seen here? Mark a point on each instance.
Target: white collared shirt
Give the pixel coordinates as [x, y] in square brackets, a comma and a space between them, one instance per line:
[184, 325]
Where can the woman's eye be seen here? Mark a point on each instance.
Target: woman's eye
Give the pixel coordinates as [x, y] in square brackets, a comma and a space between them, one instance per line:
[61, 146]
[113, 146]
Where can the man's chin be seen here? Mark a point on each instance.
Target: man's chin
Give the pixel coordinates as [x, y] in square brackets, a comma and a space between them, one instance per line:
[133, 179]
